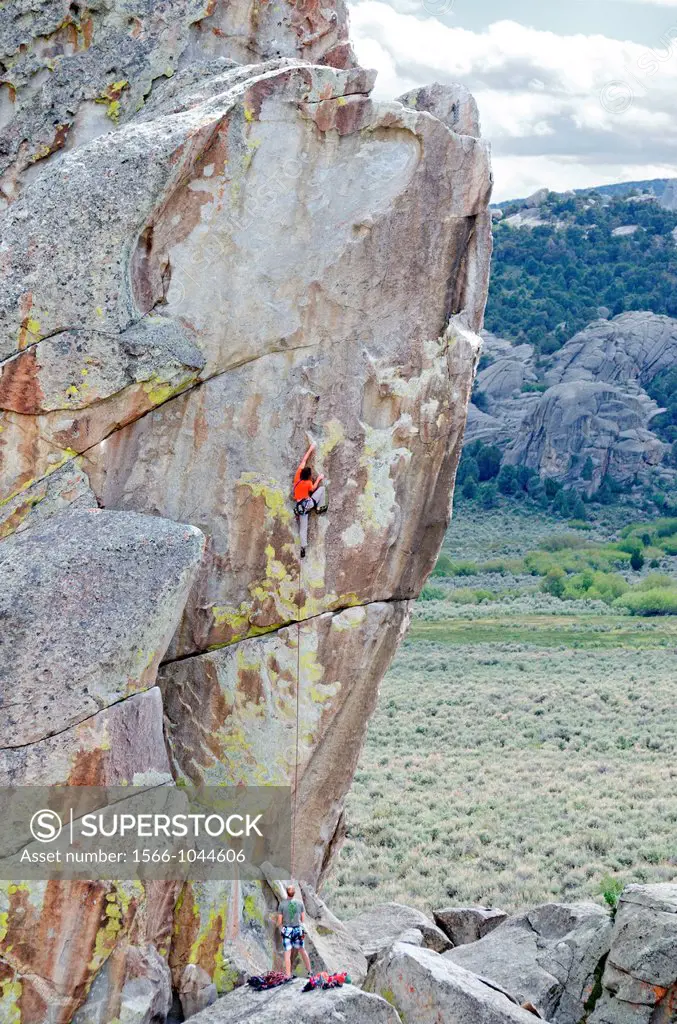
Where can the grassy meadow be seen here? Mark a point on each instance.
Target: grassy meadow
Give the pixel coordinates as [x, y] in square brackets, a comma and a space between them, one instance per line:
[524, 747]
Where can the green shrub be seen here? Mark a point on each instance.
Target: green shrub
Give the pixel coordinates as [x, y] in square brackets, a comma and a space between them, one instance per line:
[595, 586]
[432, 593]
[611, 889]
[636, 561]
[655, 581]
[471, 595]
[488, 460]
[660, 601]
[579, 524]
[507, 480]
[488, 494]
[562, 541]
[444, 566]
[469, 488]
[666, 527]
[502, 566]
[554, 582]
[462, 568]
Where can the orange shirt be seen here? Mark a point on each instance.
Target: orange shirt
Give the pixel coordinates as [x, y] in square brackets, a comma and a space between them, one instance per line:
[302, 488]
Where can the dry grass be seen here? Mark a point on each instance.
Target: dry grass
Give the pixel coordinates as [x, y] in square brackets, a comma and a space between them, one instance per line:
[516, 759]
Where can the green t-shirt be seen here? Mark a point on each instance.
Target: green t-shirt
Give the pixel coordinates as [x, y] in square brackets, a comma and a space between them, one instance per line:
[291, 911]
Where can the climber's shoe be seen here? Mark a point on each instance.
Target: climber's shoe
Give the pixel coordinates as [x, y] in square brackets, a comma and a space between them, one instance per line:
[303, 552]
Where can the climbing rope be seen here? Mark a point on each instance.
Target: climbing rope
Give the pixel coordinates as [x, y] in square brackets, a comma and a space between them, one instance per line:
[298, 704]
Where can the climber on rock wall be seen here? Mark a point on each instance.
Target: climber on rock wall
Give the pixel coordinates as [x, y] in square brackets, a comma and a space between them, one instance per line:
[309, 495]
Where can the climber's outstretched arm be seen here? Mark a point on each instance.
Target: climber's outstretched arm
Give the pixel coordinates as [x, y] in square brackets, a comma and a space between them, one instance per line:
[302, 463]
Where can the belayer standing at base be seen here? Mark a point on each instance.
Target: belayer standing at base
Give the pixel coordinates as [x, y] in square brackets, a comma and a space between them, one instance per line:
[309, 495]
[291, 913]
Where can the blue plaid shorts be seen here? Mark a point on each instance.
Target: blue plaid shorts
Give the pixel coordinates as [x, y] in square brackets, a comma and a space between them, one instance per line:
[292, 938]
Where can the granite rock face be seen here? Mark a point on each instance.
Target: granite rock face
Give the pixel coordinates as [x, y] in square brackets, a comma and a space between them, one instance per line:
[89, 603]
[631, 348]
[454, 105]
[427, 988]
[290, 1005]
[579, 420]
[377, 928]
[551, 957]
[639, 983]
[589, 403]
[468, 924]
[214, 246]
[231, 714]
[71, 72]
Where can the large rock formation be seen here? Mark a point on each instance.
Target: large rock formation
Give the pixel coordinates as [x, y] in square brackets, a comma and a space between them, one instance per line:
[551, 956]
[290, 1005]
[589, 402]
[464, 925]
[426, 988]
[203, 263]
[377, 928]
[639, 984]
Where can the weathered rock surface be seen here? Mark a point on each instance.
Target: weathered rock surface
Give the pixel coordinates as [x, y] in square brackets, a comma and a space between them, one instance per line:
[640, 976]
[427, 988]
[65, 944]
[631, 348]
[579, 420]
[468, 924]
[453, 105]
[330, 945]
[231, 714]
[89, 602]
[142, 978]
[551, 956]
[594, 406]
[65, 488]
[72, 72]
[290, 1005]
[196, 990]
[200, 264]
[377, 928]
[120, 746]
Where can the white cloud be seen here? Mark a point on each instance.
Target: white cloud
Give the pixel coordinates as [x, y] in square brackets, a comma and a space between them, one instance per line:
[580, 108]
[651, 3]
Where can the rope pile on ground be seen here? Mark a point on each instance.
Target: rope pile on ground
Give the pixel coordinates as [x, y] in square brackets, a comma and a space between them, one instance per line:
[325, 980]
[262, 982]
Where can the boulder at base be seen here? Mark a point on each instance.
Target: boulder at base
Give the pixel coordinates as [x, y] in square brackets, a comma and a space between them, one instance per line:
[427, 988]
[549, 956]
[330, 945]
[377, 928]
[640, 977]
[468, 924]
[289, 1004]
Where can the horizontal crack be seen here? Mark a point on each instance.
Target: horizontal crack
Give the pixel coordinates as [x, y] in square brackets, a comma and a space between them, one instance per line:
[285, 625]
[79, 721]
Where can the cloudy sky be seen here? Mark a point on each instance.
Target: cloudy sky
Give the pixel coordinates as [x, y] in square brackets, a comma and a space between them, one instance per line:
[572, 93]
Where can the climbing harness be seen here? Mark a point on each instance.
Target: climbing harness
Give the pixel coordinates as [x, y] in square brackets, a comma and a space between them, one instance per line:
[307, 505]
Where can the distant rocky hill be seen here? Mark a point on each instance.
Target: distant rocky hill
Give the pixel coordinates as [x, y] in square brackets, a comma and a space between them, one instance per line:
[587, 412]
[578, 380]
[564, 260]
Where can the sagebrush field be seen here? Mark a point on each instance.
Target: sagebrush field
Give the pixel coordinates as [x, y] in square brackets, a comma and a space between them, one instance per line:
[524, 747]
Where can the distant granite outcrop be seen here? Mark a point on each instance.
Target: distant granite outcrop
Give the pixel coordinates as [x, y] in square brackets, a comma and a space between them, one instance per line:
[588, 402]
